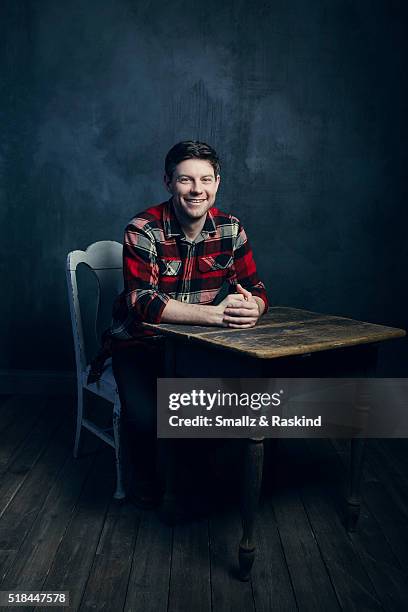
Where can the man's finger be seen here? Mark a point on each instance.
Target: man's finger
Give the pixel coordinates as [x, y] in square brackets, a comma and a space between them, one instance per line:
[235, 305]
[239, 320]
[241, 311]
[246, 325]
[249, 305]
[247, 294]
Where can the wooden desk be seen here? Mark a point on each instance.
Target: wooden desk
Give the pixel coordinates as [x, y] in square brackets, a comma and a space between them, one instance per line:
[286, 342]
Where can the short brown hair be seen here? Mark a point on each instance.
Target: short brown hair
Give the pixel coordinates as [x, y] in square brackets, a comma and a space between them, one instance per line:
[190, 149]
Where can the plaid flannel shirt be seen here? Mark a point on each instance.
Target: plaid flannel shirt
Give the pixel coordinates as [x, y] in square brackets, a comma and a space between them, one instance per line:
[160, 263]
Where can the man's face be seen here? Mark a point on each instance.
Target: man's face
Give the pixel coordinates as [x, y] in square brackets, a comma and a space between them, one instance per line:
[193, 187]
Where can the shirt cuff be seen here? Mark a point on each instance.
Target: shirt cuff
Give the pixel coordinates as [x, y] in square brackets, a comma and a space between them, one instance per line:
[260, 293]
[154, 309]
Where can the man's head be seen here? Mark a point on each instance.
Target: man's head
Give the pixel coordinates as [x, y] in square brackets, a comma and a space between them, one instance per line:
[190, 149]
[192, 177]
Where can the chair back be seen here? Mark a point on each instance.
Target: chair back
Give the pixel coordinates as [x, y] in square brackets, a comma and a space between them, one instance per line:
[104, 259]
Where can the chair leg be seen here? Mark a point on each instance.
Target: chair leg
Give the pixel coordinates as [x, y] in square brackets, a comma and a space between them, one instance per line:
[120, 492]
[80, 408]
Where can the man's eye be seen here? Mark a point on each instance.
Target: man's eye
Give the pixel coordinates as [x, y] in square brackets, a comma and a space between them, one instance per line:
[184, 179]
[207, 180]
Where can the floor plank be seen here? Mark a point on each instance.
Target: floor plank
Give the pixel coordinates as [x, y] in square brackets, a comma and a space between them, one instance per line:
[61, 530]
[36, 553]
[27, 455]
[309, 576]
[190, 586]
[73, 560]
[384, 502]
[23, 509]
[148, 587]
[271, 582]
[321, 500]
[228, 593]
[371, 544]
[107, 585]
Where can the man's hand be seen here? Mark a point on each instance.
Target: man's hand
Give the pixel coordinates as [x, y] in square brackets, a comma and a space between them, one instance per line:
[242, 310]
[200, 314]
[236, 310]
[233, 301]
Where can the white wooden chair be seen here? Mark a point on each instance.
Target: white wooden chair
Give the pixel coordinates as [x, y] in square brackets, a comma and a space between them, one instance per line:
[104, 258]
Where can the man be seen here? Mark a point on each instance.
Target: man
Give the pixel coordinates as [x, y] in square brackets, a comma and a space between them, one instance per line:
[180, 259]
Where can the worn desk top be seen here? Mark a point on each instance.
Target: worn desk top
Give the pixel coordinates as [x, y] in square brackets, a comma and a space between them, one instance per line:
[285, 331]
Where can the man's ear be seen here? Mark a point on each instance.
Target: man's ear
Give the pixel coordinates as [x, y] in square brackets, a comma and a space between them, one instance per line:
[167, 183]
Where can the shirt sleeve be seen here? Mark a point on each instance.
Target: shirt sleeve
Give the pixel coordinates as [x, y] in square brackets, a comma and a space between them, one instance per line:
[245, 268]
[140, 274]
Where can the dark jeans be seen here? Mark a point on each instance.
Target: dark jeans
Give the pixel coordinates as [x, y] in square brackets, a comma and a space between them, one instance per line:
[136, 369]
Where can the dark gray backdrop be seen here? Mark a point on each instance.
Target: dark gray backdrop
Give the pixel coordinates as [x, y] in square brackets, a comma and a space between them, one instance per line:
[304, 100]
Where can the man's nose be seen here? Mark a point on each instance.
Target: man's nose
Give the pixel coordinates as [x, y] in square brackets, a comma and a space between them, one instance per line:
[196, 188]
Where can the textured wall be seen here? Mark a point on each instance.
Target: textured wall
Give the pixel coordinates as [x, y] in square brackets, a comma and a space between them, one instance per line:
[305, 102]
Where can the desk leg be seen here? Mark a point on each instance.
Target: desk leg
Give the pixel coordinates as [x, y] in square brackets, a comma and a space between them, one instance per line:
[356, 469]
[252, 480]
[362, 406]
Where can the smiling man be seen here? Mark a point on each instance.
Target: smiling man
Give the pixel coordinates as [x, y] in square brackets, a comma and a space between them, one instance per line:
[181, 255]
[184, 261]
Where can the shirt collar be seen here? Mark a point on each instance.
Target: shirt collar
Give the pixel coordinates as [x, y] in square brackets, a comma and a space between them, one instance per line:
[172, 226]
[170, 222]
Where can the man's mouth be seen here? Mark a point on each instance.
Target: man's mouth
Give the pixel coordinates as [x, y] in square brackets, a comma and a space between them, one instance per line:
[195, 201]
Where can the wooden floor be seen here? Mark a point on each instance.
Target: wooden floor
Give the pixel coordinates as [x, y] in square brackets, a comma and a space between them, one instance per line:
[61, 530]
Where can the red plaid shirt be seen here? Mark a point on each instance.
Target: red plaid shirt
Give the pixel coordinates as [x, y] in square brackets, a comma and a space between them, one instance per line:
[160, 263]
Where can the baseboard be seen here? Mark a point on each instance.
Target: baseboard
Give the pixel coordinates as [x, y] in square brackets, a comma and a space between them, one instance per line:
[37, 382]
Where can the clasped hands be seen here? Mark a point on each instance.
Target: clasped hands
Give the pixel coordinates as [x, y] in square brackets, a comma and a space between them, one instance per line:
[240, 309]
